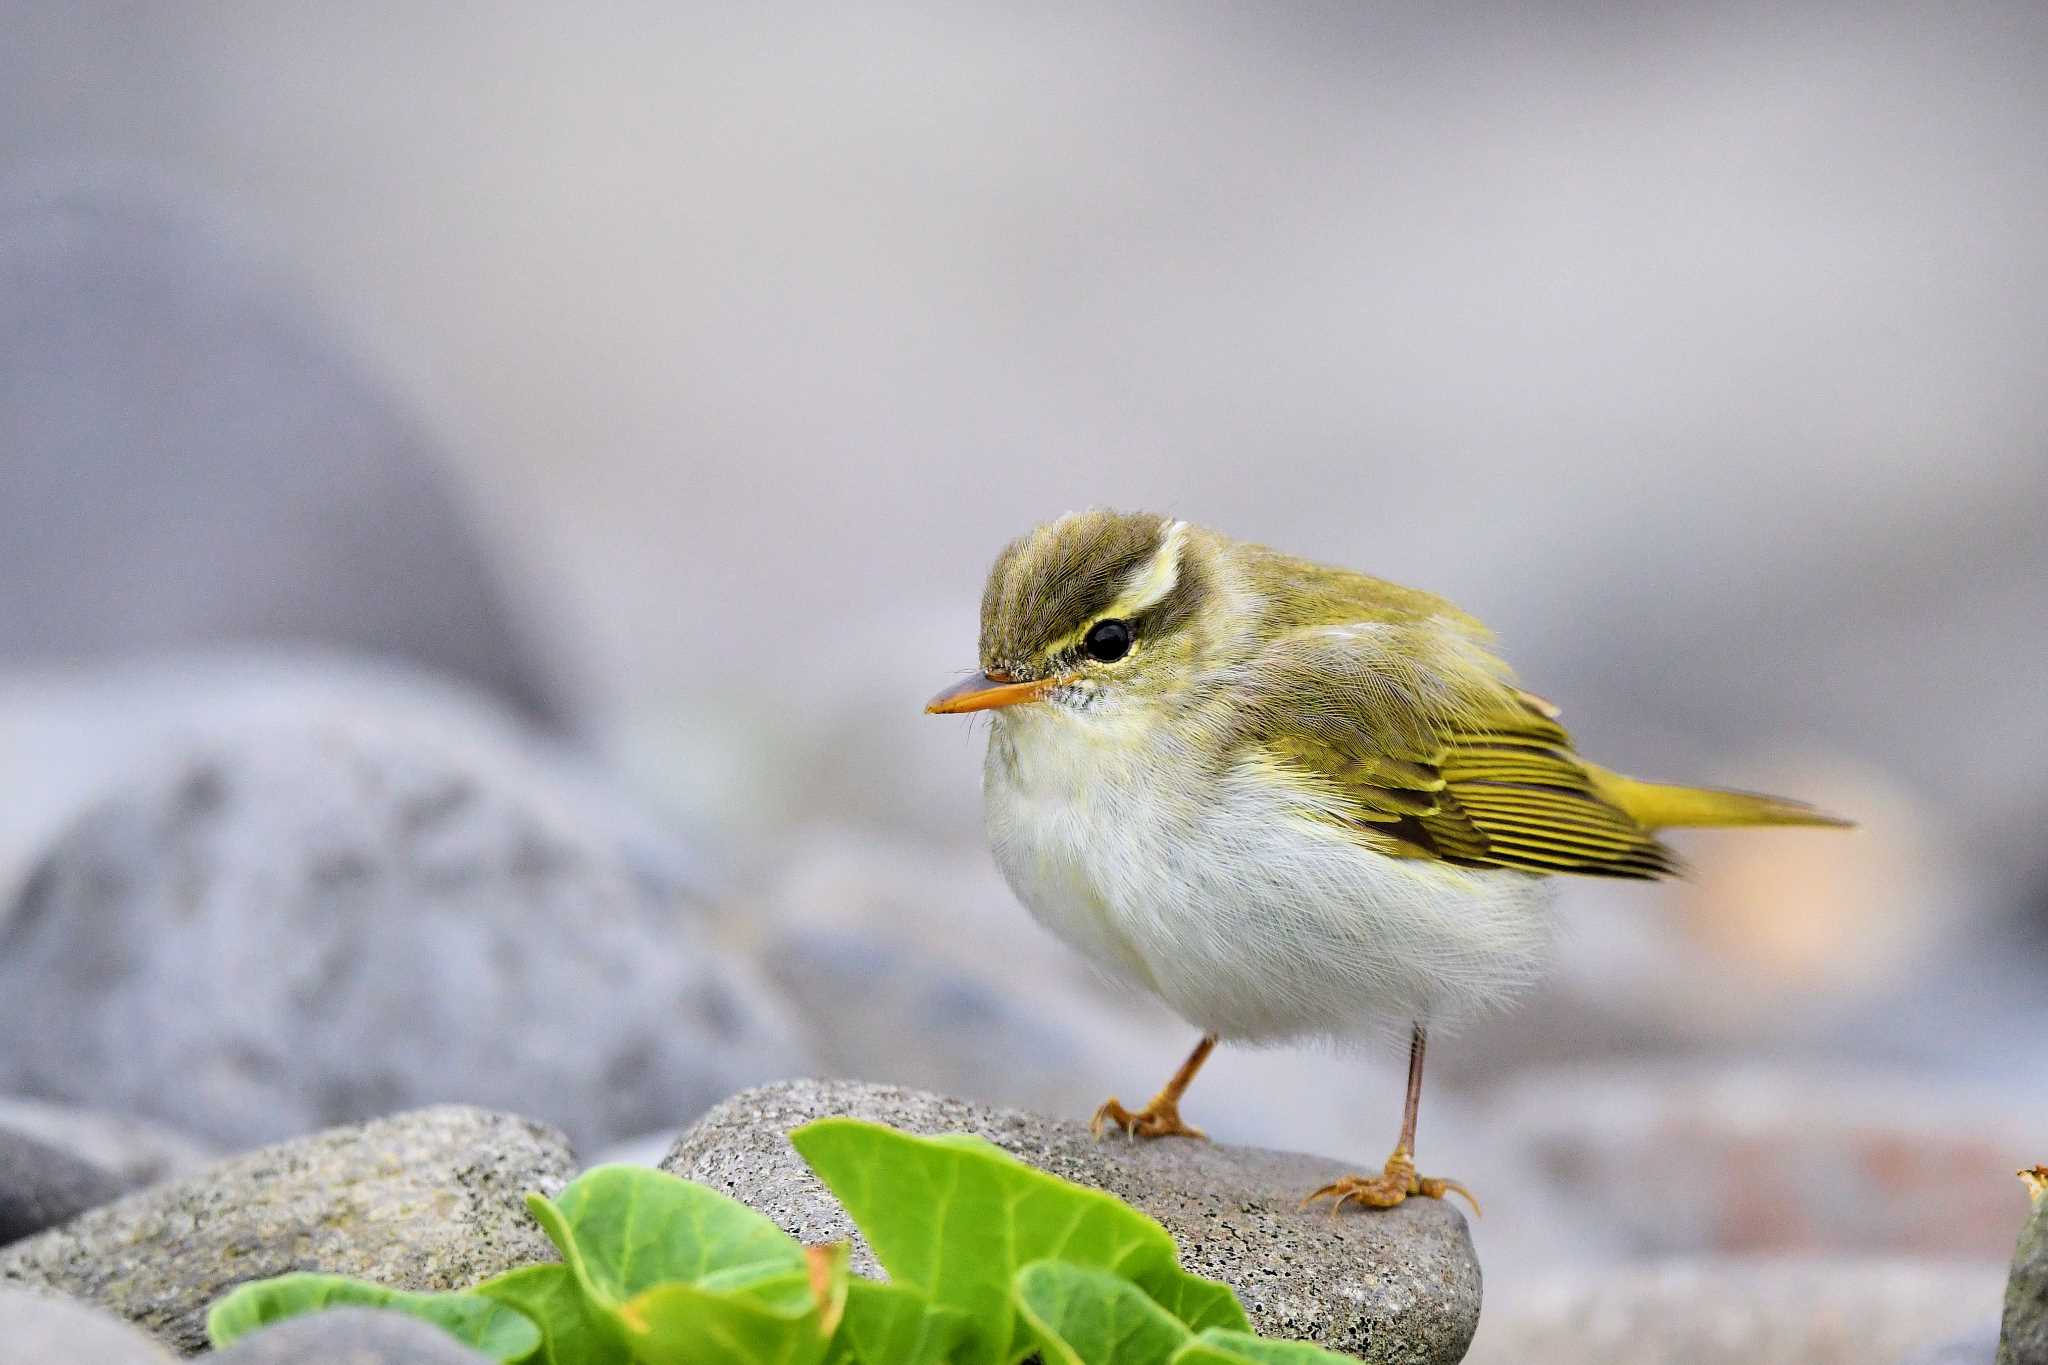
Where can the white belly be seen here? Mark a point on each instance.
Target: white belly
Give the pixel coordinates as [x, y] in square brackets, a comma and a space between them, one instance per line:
[1247, 920]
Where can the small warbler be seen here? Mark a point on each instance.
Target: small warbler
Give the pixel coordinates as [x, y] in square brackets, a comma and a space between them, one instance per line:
[1287, 799]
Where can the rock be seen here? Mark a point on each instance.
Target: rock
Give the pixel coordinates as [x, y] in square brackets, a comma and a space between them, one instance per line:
[1396, 1286]
[1739, 1311]
[41, 1186]
[428, 1200]
[1974, 1347]
[49, 1329]
[177, 421]
[2023, 1337]
[1786, 1160]
[134, 1152]
[350, 1336]
[411, 907]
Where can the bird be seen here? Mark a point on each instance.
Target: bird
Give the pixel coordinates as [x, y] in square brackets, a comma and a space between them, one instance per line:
[1289, 800]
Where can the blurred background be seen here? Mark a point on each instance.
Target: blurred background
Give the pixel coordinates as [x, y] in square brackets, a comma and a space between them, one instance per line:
[612, 411]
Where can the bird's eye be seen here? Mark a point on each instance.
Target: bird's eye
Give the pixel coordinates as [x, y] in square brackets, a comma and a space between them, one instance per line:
[1108, 641]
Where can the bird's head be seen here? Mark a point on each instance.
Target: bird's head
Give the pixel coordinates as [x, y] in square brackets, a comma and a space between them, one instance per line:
[1097, 609]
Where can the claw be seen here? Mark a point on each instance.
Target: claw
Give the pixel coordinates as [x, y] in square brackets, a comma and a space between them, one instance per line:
[1392, 1186]
[1155, 1120]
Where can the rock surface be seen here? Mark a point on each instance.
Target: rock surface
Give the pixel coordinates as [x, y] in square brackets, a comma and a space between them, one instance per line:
[1396, 1286]
[1739, 1311]
[135, 1152]
[41, 1186]
[179, 428]
[428, 1200]
[49, 1329]
[411, 909]
[2023, 1336]
[350, 1336]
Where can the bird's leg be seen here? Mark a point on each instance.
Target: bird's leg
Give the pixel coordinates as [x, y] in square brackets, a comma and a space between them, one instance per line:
[1160, 1118]
[1397, 1180]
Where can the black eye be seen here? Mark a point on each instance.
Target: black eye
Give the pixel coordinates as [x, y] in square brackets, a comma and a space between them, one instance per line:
[1108, 641]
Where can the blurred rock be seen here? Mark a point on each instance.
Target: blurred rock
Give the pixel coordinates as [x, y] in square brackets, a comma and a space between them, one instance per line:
[2023, 1335]
[327, 909]
[48, 1329]
[1680, 1160]
[191, 461]
[41, 1186]
[350, 1336]
[1738, 1312]
[428, 1200]
[134, 1152]
[1399, 1285]
[1974, 1347]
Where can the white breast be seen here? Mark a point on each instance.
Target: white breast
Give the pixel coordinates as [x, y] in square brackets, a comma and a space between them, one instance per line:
[1246, 919]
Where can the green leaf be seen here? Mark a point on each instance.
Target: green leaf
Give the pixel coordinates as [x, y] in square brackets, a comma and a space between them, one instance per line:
[893, 1324]
[1090, 1317]
[1219, 1347]
[1199, 1303]
[550, 1296]
[625, 1229]
[496, 1329]
[957, 1218]
[781, 1320]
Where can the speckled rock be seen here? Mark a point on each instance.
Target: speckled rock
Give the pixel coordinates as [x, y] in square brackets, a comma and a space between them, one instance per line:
[350, 1336]
[413, 905]
[1400, 1285]
[2023, 1337]
[134, 1151]
[428, 1200]
[1763, 1310]
[49, 1329]
[41, 1186]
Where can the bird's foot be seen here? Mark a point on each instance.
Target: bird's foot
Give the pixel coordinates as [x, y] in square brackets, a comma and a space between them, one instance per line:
[1394, 1184]
[1160, 1118]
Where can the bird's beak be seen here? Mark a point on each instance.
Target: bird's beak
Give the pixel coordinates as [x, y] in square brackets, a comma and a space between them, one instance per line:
[986, 692]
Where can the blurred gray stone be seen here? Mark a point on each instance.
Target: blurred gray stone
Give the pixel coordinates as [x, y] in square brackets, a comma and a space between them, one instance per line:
[332, 910]
[1747, 1311]
[1812, 1160]
[1976, 1347]
[48, 1329]
[2023, 1338]
[350, 1336]
[1400, 1285]
[190, 461]
[429, 1200]
[134, 1152]
[41, 1186]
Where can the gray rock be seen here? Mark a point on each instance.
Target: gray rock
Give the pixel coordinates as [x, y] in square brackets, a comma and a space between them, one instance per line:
[341, 910]
[1978, 1346]
[1738, 1311]
[41, 1186]
[429, 1200]
[133, 1151]
[350, 1336]
[48, 1329]
[2023, 1338]
[177, 422]
[1401, 1285]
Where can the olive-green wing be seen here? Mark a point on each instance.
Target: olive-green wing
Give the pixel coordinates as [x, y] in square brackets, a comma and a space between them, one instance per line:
[1413, 739]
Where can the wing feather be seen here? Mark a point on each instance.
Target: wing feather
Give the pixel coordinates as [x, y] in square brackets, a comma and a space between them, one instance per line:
[1411, 735]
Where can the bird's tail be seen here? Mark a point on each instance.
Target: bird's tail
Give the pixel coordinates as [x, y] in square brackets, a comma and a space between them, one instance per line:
[1655, 805]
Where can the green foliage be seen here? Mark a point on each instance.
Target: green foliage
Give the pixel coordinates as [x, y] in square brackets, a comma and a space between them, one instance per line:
[493, 1328]
[1079, 1316]
[989, 1261]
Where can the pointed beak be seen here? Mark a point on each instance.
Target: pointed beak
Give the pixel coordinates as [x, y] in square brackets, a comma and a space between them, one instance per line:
[986, 692]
